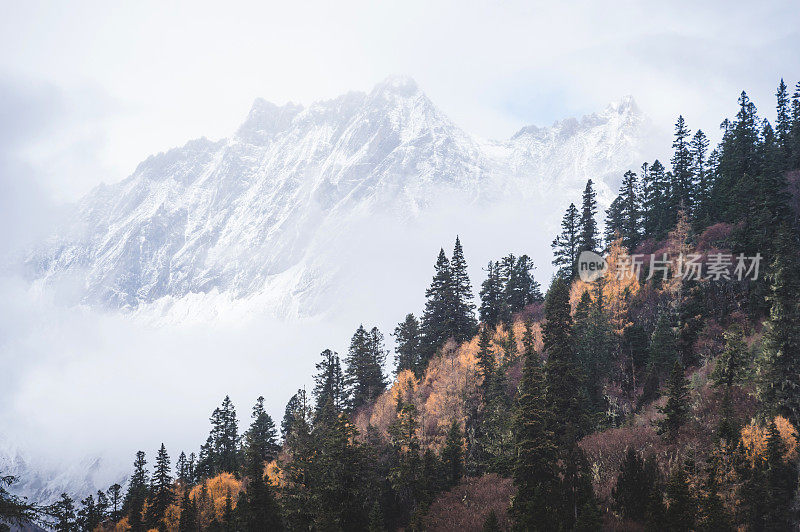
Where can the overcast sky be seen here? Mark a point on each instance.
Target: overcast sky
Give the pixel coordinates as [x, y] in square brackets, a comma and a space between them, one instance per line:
[89, 89]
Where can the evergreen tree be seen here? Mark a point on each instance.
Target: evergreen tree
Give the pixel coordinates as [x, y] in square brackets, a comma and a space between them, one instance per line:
[464, 311]
[222, 450]
[615, 223]
[494, 308]
[779, 367]
[297, 407]
[187, 522]
[261, 439]
[520, 289]
[182, 469]
[636, 484]
[676, 410]
[567, 244]
[364, 378]
[452, 455]
[794, 132]
[713, 516]
[115, 501]
[329, 383]
[90, 515]
[663, 350]
[588, 240]
[783, 123]
[161, 494]
[438, 323]
[528, 341]
[566, 396]
[63, 513]
[681, 507]
[408, 340]
[781, 476]
[257, 509]
[682, 176]
[15, 510]
[702, 179]
[534, 507]
[296, 500]
[137, 492]
[630, 211]
[731, 367]
[486, 360]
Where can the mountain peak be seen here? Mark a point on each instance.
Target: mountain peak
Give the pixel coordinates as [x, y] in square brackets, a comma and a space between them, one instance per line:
[397, 85]
[624, 106]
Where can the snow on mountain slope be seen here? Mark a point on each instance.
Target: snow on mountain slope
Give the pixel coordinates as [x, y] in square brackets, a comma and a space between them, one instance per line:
[249, 218]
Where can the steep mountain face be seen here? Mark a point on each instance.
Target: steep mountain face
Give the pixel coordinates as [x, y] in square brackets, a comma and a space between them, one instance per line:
[250, 216]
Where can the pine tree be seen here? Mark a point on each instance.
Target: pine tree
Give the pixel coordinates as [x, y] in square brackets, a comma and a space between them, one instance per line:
[681, 506]
[137, 492]
[221, 451]
[566, 396]
[297, 407]
[494, 308]
[261, 439]
[438, 323]
[567, 244]
[257, 509]
[779, 366]
[534, 506]
[713, 515]
[115, 501]
[364, 378]
[187, 521]
[676, 410]
[528, 341]
[663, 350]
[63, 513]
[520, 289]
[681, 162]
[781, 481]
[630, 211]
[452, 455]
[794, 132]
[464, 312]
[731, 367]
[161, 494]
[486, 359]
[614, 222]
[783, 123]
[702, 179]
[182, 469]
[89, 516]
[588, 240]
[329, 382]
[408, 339]
[637, 483]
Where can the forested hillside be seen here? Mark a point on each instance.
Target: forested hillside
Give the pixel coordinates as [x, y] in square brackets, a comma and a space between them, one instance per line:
[661, 394]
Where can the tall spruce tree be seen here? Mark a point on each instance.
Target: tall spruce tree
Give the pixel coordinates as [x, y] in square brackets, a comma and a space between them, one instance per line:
[329, 382]
[534, 507]
[676, 410]
[187, 520]
[567, 244]
[261, 438]
[63, 513]
[783, 123]
[224, 438]
[494, 306]
[364, 378]
[681, 505]
[408, 344]
[630, 211]
[588, 239]
[161, 494]
[137, 492]
[464, 312]
[438, 322]
[453, 455]
[779, 365]
[702, 179]
[682, 176]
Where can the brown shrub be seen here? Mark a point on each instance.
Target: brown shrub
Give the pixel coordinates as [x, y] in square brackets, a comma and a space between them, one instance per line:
[465, 507]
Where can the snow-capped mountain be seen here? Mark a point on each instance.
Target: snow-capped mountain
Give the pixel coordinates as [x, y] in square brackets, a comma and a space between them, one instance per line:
[250, 216]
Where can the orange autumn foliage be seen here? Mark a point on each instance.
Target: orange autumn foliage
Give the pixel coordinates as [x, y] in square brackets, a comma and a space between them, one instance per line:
[754, 439]
[618, 286]
[442, 394]
[218, 488]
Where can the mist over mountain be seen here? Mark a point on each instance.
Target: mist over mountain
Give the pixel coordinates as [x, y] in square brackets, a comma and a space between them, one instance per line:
[262, 218]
